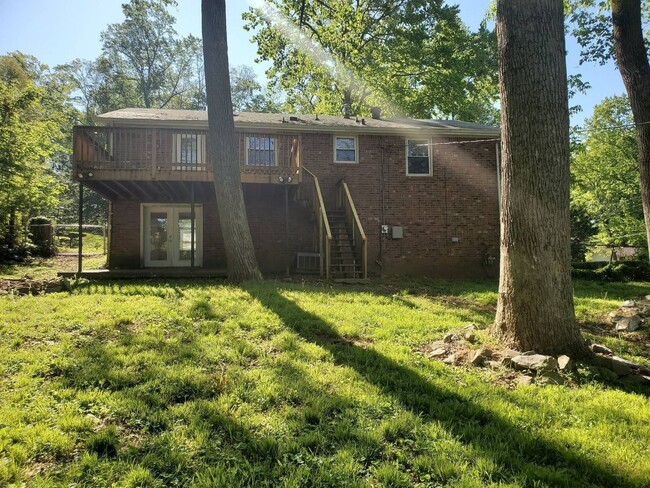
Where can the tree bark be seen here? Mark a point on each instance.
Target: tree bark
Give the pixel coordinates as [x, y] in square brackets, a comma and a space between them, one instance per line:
[632, 60]
[535, 306]
[222, 145]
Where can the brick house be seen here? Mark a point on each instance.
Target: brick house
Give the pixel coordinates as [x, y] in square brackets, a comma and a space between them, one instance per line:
[344, 197]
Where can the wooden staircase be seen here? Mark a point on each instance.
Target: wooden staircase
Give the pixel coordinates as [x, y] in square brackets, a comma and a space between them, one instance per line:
[345, 264]
[342, 244]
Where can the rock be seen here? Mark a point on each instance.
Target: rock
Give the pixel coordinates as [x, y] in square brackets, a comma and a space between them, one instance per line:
[452, 359]
[451, 338]
[437, 352]
[621, 369]
[550, 378]
[507, 355]
[535, 362]
[469, 337]
[494, 364]
[565, 363]
[524, 380]
[636, 379]
[614, 317]
[470, 327]
[480, 356]
[628, 324]
[604, 374]
[599, 348]
[628, 304]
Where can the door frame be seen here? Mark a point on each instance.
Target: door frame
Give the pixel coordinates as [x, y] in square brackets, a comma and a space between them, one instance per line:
[173, 211]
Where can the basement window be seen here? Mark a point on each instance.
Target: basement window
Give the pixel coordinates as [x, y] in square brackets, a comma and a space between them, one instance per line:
[418, 157]
[260, 151]
[345, 150]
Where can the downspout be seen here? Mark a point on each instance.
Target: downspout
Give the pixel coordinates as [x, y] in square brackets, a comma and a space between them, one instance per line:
[380, 261]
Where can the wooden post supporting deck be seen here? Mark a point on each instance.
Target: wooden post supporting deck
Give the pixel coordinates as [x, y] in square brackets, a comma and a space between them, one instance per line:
[81, 219]
[192, 227]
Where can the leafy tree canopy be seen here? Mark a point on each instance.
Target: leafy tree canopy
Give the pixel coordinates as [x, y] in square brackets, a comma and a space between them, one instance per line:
[144, 63]
[412, 57]
[247, 93]
[591, 22]
[606, 177]
[34, 114]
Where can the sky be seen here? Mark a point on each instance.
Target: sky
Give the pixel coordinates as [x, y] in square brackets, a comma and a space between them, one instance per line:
[57, 32]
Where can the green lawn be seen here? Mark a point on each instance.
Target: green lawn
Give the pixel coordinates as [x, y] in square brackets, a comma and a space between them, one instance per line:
[296, 384]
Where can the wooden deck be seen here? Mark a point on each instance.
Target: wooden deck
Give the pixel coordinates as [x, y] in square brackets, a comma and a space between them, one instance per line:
[146, 273]
[109, 155]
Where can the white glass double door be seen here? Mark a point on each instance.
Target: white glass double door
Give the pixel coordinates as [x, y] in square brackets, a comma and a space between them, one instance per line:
[168, 235]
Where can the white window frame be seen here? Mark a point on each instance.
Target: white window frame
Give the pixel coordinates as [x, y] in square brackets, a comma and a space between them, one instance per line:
[430, 159]
[275, 150]
[200, 151]
[356, 150]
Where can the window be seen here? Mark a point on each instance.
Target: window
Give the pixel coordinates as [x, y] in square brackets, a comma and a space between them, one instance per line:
[260, 151]
[418, 160]
[345, 150]
[189, 150]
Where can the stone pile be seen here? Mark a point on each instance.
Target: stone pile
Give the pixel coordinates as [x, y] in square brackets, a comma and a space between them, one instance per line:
[631, 315]
[526, 368]
[28, 286]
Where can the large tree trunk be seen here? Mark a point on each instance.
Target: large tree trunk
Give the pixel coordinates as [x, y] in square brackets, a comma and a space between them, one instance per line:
[632, 60]
[535, 307]
[222, 145]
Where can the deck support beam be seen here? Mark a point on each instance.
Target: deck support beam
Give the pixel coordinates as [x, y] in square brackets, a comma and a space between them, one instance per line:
[81, 221]
[192, 227]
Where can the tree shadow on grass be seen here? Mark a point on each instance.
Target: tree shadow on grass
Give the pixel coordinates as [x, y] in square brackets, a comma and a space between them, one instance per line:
[519, 452]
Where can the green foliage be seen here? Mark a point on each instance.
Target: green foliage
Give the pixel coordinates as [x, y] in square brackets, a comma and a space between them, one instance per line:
[144, 63]
[134, 383]
[413, 57]
[606, 176]
[583, 228]
[616, 271]
[247, 93]
[591, 22]
[35, 118]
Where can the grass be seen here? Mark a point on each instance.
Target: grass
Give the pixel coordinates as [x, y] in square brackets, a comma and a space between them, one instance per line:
[45, 269]
[140, 383]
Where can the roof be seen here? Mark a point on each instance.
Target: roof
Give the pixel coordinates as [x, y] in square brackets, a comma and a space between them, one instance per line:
[293, 122]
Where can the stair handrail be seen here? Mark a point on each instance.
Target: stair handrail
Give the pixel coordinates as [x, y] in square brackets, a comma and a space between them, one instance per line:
[323, 224]
[357, 228]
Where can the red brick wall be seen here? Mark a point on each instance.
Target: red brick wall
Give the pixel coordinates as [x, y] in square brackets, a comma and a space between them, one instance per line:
[265, 205]
[124, 235]
[459, 201]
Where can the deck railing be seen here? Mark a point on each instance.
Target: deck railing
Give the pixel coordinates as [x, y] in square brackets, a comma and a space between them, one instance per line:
[359, 240]
[324, 231]
[147, 153]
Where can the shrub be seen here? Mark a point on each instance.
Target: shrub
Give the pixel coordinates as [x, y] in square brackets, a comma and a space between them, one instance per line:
[41, 235]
